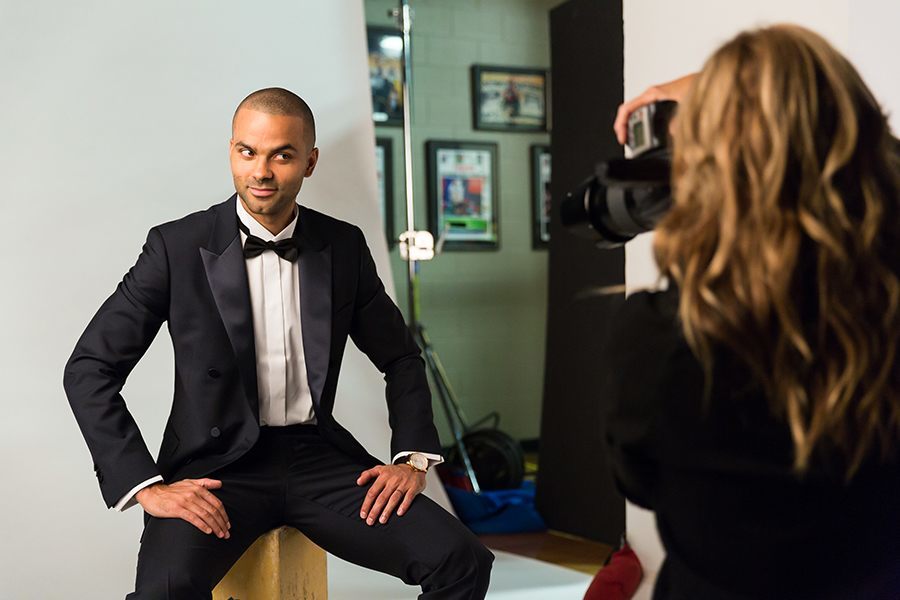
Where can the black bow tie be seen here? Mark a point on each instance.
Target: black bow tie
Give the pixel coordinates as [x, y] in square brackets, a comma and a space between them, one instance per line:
[254, 246]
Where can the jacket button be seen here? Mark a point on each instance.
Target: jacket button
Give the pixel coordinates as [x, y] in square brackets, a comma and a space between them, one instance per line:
[214, 373]
[215, 432]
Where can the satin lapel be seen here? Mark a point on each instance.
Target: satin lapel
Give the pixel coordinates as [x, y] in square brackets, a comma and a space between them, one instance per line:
[226, 272]
[315, 316]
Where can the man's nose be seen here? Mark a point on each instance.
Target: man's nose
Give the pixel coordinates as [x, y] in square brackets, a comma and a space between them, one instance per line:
[261, 170]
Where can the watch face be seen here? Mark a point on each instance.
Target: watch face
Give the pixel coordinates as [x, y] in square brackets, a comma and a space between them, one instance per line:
[418, 461]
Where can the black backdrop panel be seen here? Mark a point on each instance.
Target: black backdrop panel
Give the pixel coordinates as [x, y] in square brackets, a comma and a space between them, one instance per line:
[575, 491]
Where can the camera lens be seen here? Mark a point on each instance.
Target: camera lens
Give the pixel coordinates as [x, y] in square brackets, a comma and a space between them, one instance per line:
[625, 198]
[586, 212]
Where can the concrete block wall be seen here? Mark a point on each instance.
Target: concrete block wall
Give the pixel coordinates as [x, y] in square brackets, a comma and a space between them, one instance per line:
[485, 311]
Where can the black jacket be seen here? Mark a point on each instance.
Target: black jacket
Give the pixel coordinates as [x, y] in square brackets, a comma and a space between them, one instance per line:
[191, 274]
[733, 518]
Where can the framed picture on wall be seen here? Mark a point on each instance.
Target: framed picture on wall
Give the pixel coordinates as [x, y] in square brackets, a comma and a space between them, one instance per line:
[384, 167]
[386, 74]
[463, 199]
[509, 98]
[540, 197]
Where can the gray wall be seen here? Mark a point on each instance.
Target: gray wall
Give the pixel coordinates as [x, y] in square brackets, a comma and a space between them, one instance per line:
[485, 311]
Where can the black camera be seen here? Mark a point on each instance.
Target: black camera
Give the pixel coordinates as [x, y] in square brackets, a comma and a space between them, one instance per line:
[625, 197]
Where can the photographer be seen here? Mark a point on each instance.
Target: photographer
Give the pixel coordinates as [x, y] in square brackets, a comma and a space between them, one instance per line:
[755, 404]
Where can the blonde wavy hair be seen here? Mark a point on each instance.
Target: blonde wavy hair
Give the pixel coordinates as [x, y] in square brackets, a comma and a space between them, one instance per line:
[784, 238]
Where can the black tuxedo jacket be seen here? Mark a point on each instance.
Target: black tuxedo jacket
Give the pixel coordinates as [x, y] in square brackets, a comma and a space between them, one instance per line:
[191, 274]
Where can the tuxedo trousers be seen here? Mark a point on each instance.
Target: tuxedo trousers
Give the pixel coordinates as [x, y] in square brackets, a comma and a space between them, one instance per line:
[293, 477]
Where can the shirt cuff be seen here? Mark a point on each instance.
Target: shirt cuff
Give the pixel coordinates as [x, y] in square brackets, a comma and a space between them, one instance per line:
[129, 500]
[433, 459]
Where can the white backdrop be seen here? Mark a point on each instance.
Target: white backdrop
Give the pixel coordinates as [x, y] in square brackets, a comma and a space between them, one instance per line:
[664, 40]
[115, 117]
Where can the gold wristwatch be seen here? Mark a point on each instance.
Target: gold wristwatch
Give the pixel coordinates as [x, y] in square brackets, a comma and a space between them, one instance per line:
[416, 461]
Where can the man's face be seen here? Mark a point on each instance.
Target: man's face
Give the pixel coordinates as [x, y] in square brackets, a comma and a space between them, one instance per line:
[269, 159]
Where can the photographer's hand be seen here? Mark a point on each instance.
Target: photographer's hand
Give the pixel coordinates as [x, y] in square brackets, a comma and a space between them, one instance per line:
[672, 90]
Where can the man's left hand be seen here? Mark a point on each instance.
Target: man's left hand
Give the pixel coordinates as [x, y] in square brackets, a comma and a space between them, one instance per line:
[393, 485]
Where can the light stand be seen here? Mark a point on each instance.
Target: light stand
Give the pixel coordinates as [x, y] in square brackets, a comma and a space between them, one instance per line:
[416, 246]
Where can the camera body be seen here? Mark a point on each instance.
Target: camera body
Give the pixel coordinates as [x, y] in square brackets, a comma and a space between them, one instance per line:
[626, 197]
[648, 127]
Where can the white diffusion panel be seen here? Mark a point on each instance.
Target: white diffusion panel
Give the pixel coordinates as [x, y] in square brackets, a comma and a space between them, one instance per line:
[116, 117]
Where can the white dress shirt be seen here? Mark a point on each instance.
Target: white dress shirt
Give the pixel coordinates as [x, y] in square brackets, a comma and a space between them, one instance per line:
[282, 385]
[283, 389]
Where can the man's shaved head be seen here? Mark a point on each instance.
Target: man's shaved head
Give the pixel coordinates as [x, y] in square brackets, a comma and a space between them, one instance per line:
[279, 101]
[272, 150]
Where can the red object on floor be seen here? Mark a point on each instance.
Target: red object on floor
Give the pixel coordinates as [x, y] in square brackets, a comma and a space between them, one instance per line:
[454, 477]
[619, 579]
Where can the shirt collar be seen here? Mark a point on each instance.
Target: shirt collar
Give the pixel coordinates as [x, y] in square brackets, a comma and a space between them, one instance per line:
[261, 232]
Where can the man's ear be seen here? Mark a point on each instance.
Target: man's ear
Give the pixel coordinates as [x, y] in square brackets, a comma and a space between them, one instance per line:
[311, 162]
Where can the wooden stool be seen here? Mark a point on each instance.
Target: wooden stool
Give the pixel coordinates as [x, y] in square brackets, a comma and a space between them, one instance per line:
[280, 565]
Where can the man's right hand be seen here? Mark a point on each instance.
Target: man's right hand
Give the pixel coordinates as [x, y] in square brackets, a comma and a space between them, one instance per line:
[188, 499]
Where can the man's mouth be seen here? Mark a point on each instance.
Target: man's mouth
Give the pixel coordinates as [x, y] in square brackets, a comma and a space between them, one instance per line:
[262, 192]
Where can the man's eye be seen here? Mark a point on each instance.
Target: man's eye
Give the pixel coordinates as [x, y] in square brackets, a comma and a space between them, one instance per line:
[246, 152]
[283, 156]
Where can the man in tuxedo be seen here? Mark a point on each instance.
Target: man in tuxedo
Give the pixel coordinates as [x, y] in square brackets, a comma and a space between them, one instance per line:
[260, 294]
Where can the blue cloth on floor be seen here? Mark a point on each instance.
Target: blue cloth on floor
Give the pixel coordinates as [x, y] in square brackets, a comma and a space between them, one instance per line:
[498, 511]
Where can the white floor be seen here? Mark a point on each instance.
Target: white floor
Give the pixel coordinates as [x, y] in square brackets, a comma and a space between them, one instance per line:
[512, 578]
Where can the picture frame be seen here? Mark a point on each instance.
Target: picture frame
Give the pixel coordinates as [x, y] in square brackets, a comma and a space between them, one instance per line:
[384, 169]
[509, 98]
[541, 199]
[385, 48]
[463, 194]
